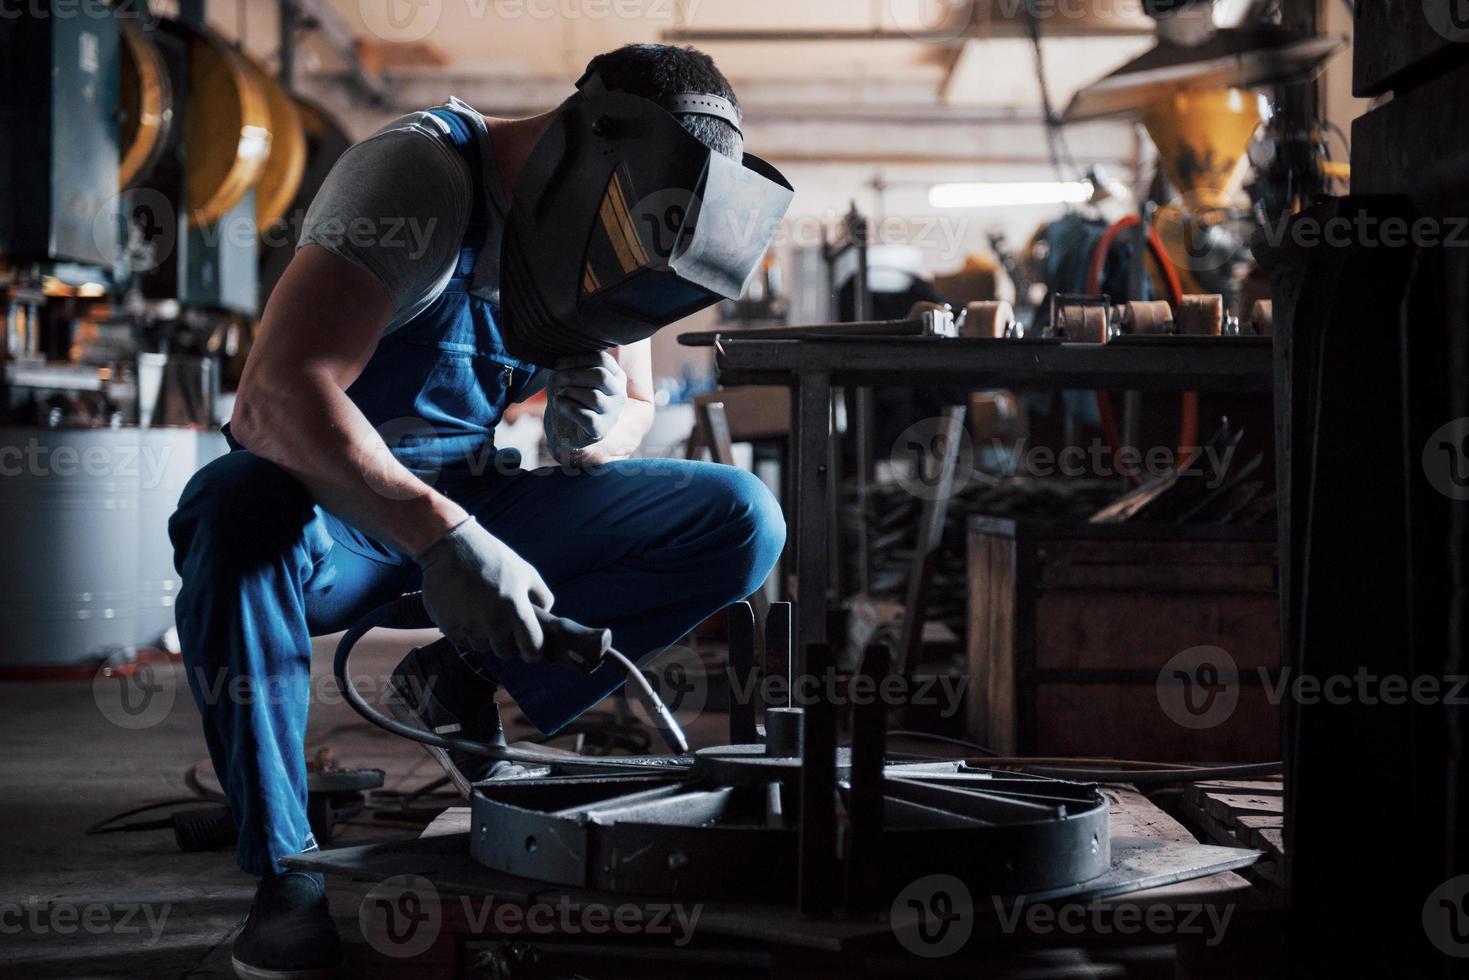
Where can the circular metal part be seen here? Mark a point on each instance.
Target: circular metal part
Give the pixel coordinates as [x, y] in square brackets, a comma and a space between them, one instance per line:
[1201, 314]
[286, 164]
[726, 826]
[1083, 323]
[1147, 317]
[226, 125]
[989, 318]
[1262, 316]
[145, 104]
[742, 764]
[783, 729]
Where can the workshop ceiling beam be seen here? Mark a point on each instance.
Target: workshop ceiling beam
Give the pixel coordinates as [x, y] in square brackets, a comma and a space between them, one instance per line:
[319, 18]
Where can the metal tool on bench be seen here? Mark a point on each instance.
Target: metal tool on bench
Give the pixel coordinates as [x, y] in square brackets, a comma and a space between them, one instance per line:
[932, 322]
[990, 318]
[567, 643]
[1078, 318]
[1095, 319]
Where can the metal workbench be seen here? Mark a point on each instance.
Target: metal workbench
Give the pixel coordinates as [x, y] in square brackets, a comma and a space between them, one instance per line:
[812, 365]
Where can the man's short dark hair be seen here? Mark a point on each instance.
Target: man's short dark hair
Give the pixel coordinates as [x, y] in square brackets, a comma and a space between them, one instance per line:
[659, 71]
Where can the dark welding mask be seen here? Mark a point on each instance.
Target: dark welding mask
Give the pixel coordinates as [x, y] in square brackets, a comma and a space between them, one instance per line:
[622, 222]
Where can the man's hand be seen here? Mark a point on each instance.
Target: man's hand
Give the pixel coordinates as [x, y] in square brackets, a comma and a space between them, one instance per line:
[482, 594]
[586, 398]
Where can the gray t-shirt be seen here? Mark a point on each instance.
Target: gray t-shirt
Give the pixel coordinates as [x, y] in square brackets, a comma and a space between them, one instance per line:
[397, 204]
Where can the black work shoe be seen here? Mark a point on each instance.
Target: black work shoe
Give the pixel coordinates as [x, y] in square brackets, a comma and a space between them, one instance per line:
[289, 934]
[434, 689]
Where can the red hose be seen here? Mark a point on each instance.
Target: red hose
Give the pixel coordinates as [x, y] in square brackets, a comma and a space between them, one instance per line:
[1188, 421]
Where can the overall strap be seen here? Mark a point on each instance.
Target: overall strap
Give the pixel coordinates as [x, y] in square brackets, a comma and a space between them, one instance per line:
[466, 144]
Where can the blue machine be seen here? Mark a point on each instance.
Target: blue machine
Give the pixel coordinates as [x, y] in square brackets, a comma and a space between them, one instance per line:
[58, 134]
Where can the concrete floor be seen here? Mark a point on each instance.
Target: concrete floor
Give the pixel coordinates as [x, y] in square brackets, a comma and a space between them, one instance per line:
[131, 904]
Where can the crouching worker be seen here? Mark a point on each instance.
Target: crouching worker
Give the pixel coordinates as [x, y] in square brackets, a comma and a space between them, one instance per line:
[452, 264]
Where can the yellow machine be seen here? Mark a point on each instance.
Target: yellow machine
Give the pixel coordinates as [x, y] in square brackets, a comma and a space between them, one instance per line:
[1202, 136]
[1199, 105]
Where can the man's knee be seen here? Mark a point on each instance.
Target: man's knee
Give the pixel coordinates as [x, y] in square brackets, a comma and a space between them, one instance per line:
[239, 508]
[757, 526]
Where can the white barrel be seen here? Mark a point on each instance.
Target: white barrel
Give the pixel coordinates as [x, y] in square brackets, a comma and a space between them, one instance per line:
[69, 530]
[168, 456]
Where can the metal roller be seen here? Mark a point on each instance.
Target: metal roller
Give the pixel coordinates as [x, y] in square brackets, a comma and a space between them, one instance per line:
[1262, 318]
[286, 164]
[1094, 320]
[145, 105]
[226, 126]
[988, 318]
[1082, 322]
[1201, 315]
[1147, 317]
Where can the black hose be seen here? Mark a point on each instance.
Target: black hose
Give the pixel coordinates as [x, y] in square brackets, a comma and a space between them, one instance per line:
[408, 612]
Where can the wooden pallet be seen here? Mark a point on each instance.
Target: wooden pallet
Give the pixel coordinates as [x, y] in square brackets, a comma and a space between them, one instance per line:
[1243, 813]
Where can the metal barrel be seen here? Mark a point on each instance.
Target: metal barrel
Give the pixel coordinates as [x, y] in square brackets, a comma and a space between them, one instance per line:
[167, 457]
[69, 527]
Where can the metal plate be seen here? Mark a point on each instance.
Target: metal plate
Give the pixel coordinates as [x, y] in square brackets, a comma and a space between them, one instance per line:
[725, 828]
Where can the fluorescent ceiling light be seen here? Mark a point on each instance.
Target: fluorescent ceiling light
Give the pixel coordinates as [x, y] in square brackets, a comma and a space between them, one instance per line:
[999, 194]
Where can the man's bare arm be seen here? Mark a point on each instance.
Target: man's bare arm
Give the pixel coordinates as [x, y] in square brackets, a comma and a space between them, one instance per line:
[321, 326]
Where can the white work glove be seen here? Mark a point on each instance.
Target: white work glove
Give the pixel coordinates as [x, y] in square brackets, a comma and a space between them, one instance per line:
[482, 594]
[587, 393]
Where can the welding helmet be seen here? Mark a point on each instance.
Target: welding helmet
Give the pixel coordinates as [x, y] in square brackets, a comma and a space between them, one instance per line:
[622, 222]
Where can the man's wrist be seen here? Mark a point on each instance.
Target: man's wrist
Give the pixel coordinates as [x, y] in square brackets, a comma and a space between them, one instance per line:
[434, 516]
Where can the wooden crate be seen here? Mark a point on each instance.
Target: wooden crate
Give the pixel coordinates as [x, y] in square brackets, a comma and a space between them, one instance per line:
[1071, 624]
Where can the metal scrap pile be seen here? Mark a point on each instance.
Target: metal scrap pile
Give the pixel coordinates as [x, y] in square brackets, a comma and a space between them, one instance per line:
[892, 514]
[1216, 487]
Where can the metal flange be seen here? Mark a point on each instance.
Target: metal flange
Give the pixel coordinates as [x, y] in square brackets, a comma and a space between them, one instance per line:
[723, 826]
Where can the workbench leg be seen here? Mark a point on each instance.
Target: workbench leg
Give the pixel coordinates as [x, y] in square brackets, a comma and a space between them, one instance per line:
[836, 467]
[811, 438]
[934, 512]
[863, 472]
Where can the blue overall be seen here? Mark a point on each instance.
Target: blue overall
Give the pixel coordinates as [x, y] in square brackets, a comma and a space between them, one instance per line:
[648, 548]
